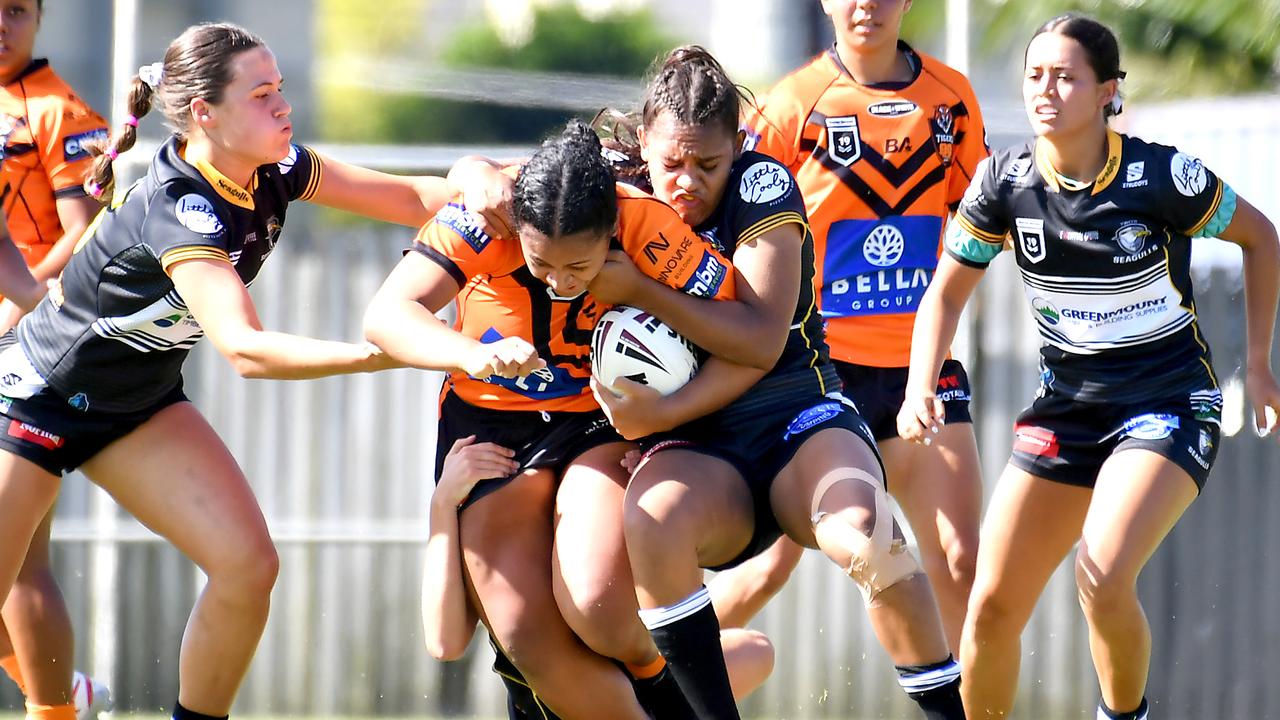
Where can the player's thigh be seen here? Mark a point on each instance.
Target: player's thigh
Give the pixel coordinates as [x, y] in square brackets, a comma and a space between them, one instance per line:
[175, 475]
[836, 468]
[938, 486]
[27, 492]
[590, 551]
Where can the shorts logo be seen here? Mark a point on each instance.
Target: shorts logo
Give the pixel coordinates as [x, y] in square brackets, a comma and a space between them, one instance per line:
[884, 246]
[707, 280]
[1034, 440]
[764, 182]
[79, 401]
[1189, 174]
[950, 389]
[33, 434]
[892, 108]
[1207, 406]
[465, 223]
[76, 147]
[1150, 426]
[1031, 238]
[1206, 442]
[1132, 236]
[812, 417]
[844, 142]
[289, 160]
[196, 214]
[1046, 311]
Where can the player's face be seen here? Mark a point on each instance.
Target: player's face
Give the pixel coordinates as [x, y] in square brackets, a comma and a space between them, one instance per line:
[252, 120]
[689, 166]
[19, 21]
[567, 263]
[864, 24]
[1060, 89]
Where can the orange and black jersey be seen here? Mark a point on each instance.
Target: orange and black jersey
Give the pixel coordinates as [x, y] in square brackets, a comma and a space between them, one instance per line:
[881, 168]
[500, 298]
[117, 341]
[44, 132]
[761, 195]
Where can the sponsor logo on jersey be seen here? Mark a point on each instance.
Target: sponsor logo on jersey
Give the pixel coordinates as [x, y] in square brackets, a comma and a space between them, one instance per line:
[1046, 310]
[810, 418]
[76, 147]
[670, 263]
[196, 214]
[289, 160]
[844, 142]
[1077, 236]
[35, 435]
[707, 280]
[1134, 175]
[892, 108]
[1150, 426]
[465, 223]
[1035, 440]
[1031, 238]
[1017, 170]
[1128, 312]
[764, 182]
[552, 381]
[884, 246]
[944, 132]
[1189, 174]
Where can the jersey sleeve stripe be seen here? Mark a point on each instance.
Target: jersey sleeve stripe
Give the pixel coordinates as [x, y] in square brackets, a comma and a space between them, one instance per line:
[770, 223]
[177, 255]
[439, 258]
[968, 226]
[1197, 230]
[969, 250]
[313, 183]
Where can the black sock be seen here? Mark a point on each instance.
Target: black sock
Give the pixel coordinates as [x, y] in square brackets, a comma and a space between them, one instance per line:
[662, 698]
[688, 636]
[935, 688]
[181, 713]
[1106, 713]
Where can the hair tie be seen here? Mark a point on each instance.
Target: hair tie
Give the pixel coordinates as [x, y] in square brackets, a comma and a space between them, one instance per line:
[131, 120]
[94, 189]
[152, 74]
[112, 154]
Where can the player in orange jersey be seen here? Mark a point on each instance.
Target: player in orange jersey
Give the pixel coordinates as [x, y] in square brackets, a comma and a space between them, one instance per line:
[883, 141]
[45, 134]
[541, 538]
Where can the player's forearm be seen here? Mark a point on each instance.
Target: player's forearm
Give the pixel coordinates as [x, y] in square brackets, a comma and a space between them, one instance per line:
[413, 335]
[265, 354]
[447, 620]
[728, 329]
[717, 384]
[16, 281]
[935, 328]
[1261, 292]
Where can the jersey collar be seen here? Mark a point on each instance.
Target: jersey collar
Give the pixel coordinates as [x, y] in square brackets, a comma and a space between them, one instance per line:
[1058, 182]
[36, 66]
[913, 59]
[229, 190]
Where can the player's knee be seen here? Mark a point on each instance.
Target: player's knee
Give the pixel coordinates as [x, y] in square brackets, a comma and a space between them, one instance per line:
[876, 560]
[250, 572]
[959, 562]
[990, 615]
[605, 619]
[1102, 591]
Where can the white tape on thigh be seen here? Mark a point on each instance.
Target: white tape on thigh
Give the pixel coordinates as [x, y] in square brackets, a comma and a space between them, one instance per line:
[876, 563]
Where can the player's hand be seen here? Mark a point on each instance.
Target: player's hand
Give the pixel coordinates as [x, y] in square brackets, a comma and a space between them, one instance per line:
[1265, 394]
[510, 357]
[619, 280]
[469, 462]
[487, 194]
[921, 417]
[634, 410]
[631, 461]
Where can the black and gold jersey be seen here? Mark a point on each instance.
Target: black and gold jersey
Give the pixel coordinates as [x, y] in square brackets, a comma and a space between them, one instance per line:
[762, 195]
[118, 339]
[1105, 264]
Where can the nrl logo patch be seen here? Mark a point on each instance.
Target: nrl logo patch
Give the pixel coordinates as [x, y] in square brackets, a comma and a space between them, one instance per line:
[844, 143]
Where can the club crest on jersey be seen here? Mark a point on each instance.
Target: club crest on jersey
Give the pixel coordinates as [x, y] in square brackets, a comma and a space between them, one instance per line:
[844, 142]
[764, 182]
[944, 124]
[1031, 238]
[196, 214]
[1132, 236]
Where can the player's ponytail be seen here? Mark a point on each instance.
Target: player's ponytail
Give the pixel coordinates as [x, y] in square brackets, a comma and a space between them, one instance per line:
[197, 64]
[567, 186]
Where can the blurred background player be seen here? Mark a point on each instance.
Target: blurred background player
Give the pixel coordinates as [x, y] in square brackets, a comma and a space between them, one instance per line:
[883, 141]
[46, 131]
[1126, 424]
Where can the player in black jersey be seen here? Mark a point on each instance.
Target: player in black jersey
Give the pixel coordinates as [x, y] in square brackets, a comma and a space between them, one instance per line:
[774, 447]
[1121, 436]
[92, 377]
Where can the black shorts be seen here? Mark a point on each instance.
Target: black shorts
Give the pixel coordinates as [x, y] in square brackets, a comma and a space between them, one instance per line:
[48, 429]
[879, 392]
[522, 702]
[1067, 441]
[759, 444]
[540, 440]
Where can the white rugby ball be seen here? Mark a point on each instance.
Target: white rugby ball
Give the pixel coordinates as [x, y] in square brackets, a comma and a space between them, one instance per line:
[629, 342]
